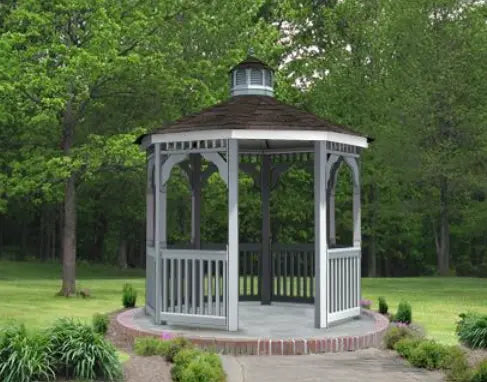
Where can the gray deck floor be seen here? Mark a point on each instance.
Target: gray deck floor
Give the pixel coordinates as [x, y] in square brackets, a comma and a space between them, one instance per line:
[279, 321]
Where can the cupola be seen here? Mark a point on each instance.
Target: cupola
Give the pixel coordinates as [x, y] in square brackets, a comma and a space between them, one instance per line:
[252, 77]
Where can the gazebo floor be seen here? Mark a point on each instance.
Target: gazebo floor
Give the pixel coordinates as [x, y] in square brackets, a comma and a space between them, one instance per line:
[280, 328]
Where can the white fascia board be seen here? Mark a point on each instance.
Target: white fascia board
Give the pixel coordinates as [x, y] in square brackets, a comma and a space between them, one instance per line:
[279, 135]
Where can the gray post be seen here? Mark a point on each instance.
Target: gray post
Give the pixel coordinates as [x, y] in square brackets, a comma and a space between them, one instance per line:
[321, 251]
[233, 279]
[157, 230]
[196, 200]
[357, 235]
[266, 277]
[149, 222]
[332, 209]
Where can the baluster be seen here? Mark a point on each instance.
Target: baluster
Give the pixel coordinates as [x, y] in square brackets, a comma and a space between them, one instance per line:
[186, 287]
[209, 280]
[217, 287]
[193, 286]
[201, 287]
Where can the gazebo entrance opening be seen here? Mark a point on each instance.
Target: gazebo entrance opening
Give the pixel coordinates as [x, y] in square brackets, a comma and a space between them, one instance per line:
[201, 285]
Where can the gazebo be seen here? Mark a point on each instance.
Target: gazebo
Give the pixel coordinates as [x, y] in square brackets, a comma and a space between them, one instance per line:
[253, 132]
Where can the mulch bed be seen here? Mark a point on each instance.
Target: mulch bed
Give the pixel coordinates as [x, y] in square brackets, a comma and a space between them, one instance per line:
[138, 369]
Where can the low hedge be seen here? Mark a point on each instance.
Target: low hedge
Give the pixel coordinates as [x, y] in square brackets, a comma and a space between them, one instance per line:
[472, 330]
[67, 349]
[432, 355]
[189, 363]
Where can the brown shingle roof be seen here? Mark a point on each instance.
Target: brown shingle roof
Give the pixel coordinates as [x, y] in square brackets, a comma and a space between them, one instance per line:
[252, 112]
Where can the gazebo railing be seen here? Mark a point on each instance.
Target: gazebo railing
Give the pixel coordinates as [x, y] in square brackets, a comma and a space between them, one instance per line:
[293, 272]
[343, 283]
[194, 284]
[249, 271]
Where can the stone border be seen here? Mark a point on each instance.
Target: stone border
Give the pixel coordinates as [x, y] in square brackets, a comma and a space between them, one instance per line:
[125, 325]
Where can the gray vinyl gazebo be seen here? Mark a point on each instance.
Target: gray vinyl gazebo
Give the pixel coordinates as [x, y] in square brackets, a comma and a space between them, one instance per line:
[253, 132]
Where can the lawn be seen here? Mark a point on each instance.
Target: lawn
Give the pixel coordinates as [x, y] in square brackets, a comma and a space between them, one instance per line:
[27, 294]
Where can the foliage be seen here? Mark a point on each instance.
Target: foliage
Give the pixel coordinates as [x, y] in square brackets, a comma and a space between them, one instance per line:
[480, 372]
[433, 355]
[383, 307]
[406, 346]
[175, 346]
[100, 323]
[81, 353]
[472, 330]
[197, 366]
[182, 360]
[25, 358]
[395, 334]
[129, 296]
[404, 313]
[428, 354]
[148, 346]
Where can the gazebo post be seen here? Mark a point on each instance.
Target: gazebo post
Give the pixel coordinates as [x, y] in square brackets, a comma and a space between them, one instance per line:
[157, 230]
[332, 209]
[233, 277]
[321, 250]
[195, 200]
[266, 283]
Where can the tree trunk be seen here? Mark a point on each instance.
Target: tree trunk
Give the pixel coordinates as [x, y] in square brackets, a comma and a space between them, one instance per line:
[69, 222]
[69, 238]
[122, 253]
[443, 249]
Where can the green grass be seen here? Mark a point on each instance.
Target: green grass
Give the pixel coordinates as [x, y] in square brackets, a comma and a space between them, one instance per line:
[27, 294]
[436, 301]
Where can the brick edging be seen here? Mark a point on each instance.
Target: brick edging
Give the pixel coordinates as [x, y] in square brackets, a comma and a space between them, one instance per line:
[124, 325]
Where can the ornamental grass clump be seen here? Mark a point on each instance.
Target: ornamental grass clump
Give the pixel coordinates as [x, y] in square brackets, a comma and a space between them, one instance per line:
[25, 358]
[404, 313]
[100, 323]
[472, 330]
[82, 353]
[129, 296]
[383, 307]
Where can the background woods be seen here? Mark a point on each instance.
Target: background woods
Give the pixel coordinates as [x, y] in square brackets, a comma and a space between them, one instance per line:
[80, 80]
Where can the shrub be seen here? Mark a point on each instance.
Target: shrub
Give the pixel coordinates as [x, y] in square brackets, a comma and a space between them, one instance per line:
[472, 330]
[182, 360]
[24, 358]
[206, 367]
[428, 354]
[480, 372]
[456, 365]
[129, 296]
[406, 346]
[100, 323]
[383, 307]
[395, 334]
[81, 353]
[404, 312]
[175, 346]
[148, 346]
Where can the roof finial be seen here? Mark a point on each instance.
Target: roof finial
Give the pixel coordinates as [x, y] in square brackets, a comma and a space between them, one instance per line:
[251, 52]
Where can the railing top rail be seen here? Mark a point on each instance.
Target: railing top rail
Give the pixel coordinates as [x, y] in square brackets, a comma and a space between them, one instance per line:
[190, 254]
[337, 253]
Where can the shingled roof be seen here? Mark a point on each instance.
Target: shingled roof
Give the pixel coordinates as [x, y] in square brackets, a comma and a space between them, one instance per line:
[252, 112]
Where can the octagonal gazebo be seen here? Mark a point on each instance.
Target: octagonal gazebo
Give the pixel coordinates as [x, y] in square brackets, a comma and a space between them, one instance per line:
[201, 286]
